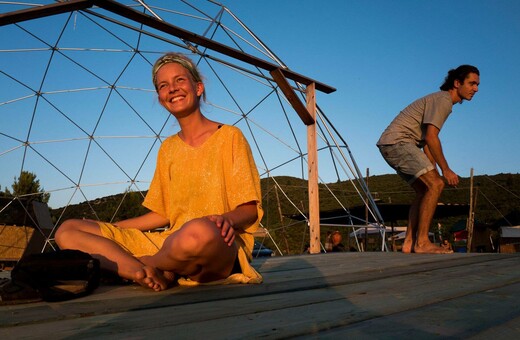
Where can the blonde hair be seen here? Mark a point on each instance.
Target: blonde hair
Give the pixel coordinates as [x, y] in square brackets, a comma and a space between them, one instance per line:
[182, 60]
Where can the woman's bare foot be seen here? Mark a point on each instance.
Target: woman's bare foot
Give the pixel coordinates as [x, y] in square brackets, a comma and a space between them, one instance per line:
[152, 278]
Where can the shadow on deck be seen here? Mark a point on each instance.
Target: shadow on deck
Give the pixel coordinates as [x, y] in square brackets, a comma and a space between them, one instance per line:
[327, 295]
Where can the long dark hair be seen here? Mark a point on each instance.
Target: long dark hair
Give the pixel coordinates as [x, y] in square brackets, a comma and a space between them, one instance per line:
[460, 73]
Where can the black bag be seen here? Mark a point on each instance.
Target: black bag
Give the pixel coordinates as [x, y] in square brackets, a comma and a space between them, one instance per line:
[59, 275]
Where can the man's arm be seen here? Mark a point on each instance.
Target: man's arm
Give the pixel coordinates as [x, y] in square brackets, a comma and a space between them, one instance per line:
[433, 147]
[430, 156]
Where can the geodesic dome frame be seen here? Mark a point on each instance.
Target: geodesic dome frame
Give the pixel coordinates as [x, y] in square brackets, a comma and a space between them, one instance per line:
[87, 105]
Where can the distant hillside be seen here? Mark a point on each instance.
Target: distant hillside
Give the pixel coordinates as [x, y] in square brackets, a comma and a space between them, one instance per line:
[497, 198]
[498, 203]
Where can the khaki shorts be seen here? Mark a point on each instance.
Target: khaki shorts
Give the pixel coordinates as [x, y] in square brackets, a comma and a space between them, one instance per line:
[409, 161]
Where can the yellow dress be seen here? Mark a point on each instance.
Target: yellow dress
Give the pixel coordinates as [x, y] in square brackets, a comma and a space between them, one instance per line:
[191, 182]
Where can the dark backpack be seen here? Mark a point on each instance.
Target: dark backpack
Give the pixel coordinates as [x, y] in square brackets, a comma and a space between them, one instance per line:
[58, 275]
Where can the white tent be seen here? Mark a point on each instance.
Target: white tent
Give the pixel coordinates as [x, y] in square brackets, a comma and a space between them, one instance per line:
[361, 230]
[510, 232]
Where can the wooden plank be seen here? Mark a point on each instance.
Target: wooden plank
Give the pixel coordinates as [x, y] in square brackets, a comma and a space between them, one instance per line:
[350, 263]
[312, 166]
[298, 273]
[44, 11]
[287, 274]
[152, 22]
[302, 312]
[162, 26]
[489, 314]
[291, 96]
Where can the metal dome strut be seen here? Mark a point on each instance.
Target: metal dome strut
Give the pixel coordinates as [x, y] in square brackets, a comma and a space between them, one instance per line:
[279, 73]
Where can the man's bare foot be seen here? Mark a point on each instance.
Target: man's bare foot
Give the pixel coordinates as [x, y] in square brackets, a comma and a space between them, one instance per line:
[430, 248]
[407, 246]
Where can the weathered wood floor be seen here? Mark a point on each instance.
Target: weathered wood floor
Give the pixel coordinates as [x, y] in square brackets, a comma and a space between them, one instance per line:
[346, 295]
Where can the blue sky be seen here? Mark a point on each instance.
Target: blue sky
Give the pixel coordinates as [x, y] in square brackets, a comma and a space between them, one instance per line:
[379, 55]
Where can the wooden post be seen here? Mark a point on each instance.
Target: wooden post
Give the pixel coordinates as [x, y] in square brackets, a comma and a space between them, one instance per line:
[366, 214]
[284, 234]
[471, 216]
[312, 151]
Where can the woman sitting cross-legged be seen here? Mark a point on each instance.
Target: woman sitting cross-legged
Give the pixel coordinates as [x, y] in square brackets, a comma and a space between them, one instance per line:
[205, 191]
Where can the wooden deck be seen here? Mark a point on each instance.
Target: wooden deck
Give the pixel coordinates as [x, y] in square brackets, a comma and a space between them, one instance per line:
[347, 295]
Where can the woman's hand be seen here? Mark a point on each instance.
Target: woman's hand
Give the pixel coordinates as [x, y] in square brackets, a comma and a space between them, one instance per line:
[226, 226]
[244, 215]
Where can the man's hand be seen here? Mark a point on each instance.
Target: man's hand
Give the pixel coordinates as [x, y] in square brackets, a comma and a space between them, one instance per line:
[451, 177]
[226, 226]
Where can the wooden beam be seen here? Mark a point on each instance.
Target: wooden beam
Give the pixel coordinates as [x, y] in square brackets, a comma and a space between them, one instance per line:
[291, 96]
[152, 22]
[312, 159]
[44, 11]
[471, 218]
[165, 27]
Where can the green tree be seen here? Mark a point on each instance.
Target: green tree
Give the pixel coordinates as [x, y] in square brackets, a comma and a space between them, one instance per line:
[28, 184]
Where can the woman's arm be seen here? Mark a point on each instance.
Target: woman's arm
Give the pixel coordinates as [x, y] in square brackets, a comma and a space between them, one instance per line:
[144, 222]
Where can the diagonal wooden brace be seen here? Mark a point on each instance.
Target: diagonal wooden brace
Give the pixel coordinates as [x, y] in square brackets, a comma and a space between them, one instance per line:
[291, 96]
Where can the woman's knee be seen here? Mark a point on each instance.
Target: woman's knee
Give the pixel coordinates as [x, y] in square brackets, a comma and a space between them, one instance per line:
[67, 230]
[63, 229]
[195, 237]
[203, 230]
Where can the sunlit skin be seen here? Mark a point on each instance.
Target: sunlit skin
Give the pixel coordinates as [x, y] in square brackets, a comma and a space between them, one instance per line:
[177, 91]
[466, 90]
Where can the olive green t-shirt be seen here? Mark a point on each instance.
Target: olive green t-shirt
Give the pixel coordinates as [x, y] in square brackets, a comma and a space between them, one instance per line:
[410, 124]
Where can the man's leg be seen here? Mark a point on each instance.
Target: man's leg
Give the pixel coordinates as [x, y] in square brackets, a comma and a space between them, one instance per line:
[197, 251]
[413, 220]
[429, 186]
[85, 235]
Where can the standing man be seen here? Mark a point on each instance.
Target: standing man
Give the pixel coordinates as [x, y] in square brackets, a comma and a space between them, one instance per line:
[414, 130]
